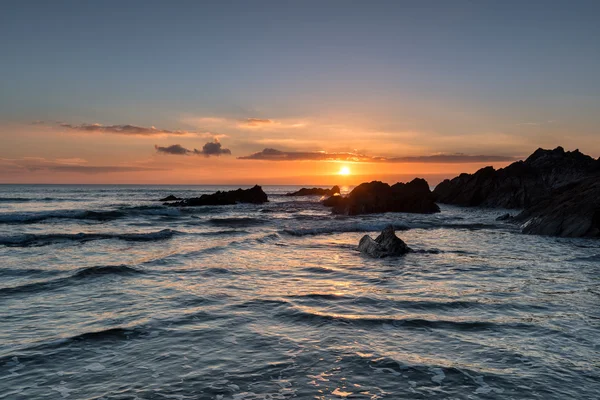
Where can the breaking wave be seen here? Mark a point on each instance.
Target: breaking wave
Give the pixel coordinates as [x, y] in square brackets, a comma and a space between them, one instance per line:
[27, 240]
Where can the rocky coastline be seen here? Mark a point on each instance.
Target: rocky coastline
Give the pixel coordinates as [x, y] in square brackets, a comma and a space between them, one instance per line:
[557, 193]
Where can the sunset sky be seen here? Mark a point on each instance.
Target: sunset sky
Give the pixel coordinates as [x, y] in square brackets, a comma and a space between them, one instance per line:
[276, 92]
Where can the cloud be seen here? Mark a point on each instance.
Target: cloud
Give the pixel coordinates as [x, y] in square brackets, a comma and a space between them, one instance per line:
[269, 154]
[76, 165]
[277, 155]
[213, 148]
[132, 130]
[252, 123]
[258, 122]
[173, 149]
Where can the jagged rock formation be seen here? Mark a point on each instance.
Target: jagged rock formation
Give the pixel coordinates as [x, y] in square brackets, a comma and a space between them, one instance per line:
[521, 184]
[571, 211]
[315, 192]
[385, 245]
[254, 195]
[559, 191]
[379, 197]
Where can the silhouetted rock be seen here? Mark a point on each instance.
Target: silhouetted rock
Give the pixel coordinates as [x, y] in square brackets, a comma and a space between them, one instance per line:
[254, 195]
[333, 201]
[315, 192]
[171, 198]
[379, 197]
[520, 184]
[571, 211]
[385, 245]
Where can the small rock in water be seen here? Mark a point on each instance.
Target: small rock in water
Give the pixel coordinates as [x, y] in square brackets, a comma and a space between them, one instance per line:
[316, 192]
[171, 198]
[387, 244]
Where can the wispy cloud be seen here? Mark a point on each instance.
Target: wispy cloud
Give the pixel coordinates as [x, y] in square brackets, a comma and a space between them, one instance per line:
[251, 123]
[74, 165]
[258, 122]
[133, 130]
[270, 154]
[213, 148]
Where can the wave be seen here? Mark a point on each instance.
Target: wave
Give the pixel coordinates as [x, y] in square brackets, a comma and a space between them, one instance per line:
[39, 216]
[35, 199]
[224, 232]
[14, 199]
[343, 228]
[237, 222]
[29, 217]
[408, 323]
[27, 240]
[594, 258]
[122, 270]
[84, 273]
[417, 305]
[299, 314]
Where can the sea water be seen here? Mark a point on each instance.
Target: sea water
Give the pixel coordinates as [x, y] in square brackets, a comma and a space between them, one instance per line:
[105, 293]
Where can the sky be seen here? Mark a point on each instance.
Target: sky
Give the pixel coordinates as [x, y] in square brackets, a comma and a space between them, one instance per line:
[291, 92]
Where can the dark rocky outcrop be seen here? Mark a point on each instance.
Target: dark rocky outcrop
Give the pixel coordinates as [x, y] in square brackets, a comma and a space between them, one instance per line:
[315, 192]
[521, 184]
[333, 201]
[385, 245]
[171, 198]
[571, 211]
[379, 197]
[559, 191]
[254, 195]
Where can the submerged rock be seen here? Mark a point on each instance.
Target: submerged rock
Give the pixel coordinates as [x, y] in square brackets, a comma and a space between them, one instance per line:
[379, 197]
[504, 217]
[385, 245]
[572, 211]
[315, 192]
[171, 198]
[254, 195]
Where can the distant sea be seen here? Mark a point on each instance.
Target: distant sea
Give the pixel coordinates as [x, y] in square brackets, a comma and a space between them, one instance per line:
[107, 294]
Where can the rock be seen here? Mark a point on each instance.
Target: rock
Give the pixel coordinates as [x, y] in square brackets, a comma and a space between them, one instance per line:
[521, 184]
[315, 192]
[254, 195]
[504, 217]
[171, 198]
[333, 201]
[385, 245]
[379, 197]
[572, 211]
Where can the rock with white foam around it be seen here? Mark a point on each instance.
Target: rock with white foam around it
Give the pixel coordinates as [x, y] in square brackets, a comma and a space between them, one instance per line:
[385, 245]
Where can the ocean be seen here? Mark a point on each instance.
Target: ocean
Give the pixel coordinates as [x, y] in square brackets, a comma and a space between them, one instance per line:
[107, 294]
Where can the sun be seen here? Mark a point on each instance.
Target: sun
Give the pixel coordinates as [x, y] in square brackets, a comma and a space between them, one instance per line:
[344, 171]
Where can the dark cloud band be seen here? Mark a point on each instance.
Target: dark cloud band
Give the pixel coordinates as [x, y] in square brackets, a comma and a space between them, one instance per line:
[126, 129]
[213, 148]
[277, 155]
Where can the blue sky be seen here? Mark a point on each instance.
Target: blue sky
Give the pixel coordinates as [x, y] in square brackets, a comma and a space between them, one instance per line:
[526, 72]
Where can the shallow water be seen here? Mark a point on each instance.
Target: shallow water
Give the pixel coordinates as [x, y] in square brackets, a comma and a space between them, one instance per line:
[105, 293]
